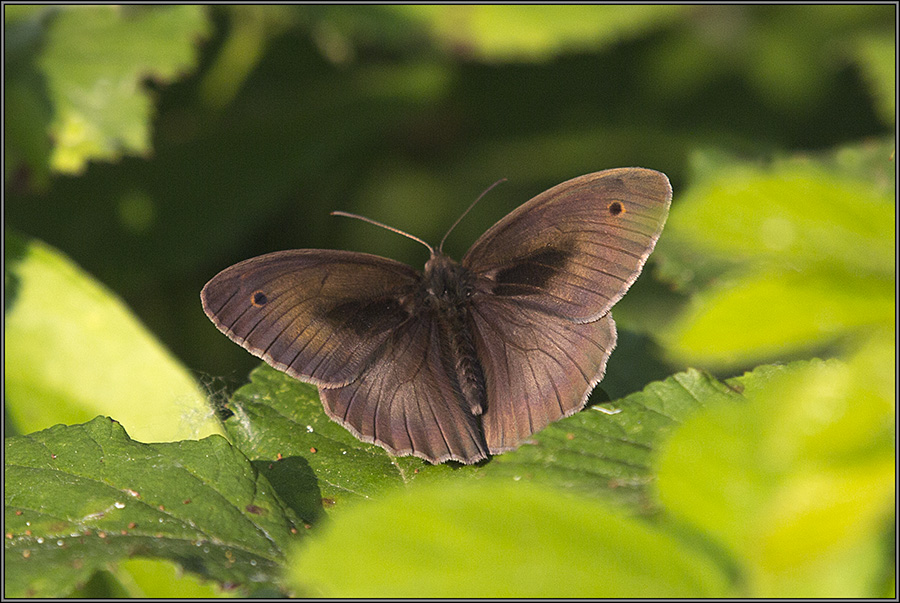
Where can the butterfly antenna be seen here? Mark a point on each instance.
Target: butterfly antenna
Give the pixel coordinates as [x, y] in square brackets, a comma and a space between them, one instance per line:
[385, 226]
[474, 203]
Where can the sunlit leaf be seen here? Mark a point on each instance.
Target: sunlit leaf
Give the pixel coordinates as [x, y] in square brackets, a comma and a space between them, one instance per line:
[771, 314]
[785, 259]
[799, 482]
[489, 539]
[74, 350]
[95, 60]
[503, 33]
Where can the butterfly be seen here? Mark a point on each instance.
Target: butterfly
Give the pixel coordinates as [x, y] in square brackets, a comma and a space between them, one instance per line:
[463, 360]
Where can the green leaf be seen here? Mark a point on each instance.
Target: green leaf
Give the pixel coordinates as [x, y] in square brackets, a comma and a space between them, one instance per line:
[799, 483]
[754, 317]
[78, 498]
[794, 256]
[95, 60]
[877, 58]
[503, 33]
[610, 456]
[280, 423]
[73, 350]
[490, 539]
[162, 579]
[793, 215]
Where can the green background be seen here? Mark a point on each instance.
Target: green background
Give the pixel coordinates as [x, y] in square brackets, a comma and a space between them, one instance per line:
[147, 148]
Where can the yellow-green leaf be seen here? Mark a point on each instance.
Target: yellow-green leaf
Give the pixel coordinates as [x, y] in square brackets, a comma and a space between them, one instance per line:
[74, 350]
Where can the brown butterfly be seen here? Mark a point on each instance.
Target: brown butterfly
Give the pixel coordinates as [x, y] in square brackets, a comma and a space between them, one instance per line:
[466, 359]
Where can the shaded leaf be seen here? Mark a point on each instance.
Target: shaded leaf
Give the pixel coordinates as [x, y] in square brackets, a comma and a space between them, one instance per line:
[280, 421]
[489, 539]
[877, 58]
[78, 498]
[610, 456]
[73, 350]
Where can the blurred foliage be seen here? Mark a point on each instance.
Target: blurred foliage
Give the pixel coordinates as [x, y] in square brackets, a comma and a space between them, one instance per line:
[798, 484]
[527, 542]
[784, 257]
[148, 147]
[56, 316]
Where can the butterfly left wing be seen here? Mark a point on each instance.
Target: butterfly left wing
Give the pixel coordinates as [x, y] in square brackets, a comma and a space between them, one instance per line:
[351, 324]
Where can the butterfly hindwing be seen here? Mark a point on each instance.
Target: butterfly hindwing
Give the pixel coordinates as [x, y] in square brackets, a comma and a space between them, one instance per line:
[538, 367]
[406, 400]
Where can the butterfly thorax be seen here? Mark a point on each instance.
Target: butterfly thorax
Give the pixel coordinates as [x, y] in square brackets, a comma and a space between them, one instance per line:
[448, 286]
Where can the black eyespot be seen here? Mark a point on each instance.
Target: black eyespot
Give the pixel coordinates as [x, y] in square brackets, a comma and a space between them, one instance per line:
[259, 299]
[615, 208]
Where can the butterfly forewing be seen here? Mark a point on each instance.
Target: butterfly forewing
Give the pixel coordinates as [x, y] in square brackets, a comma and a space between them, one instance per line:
[318, 315]
[575, 249]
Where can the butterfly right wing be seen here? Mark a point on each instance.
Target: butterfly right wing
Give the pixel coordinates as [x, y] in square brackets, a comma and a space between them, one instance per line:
[546, 277]
[317, 315]
[351, 324]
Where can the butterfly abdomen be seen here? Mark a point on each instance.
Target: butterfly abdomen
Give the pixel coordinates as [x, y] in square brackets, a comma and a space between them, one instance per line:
[468, 369]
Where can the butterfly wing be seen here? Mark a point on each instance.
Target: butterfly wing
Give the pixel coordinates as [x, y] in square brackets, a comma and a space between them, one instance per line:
[575, 249]
[318, 315]
[538, 367]
[546, 277]
[405, 401]
[351, 324]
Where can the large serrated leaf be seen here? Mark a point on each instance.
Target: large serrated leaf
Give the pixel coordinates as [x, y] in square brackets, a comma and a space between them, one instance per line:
[610, 455]
[80, 497]
[279, 422]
